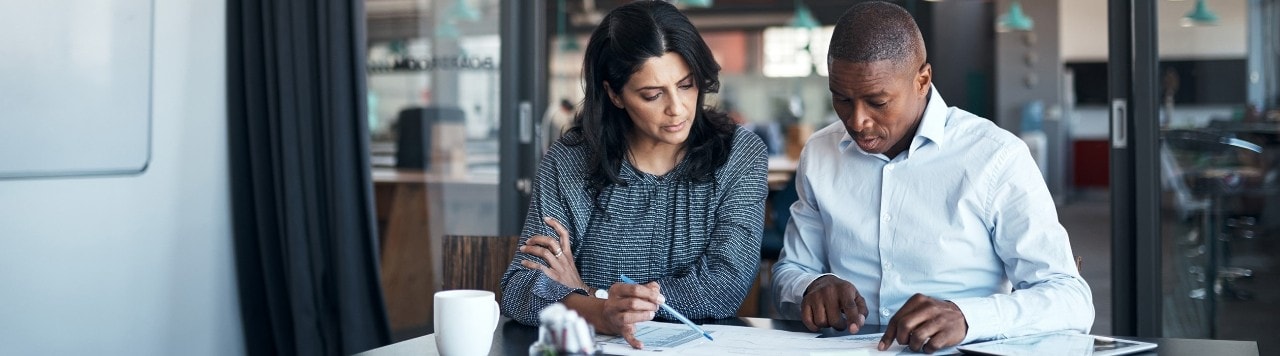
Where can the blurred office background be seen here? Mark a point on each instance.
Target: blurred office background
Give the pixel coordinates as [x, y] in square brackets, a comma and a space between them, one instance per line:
[1156, 126]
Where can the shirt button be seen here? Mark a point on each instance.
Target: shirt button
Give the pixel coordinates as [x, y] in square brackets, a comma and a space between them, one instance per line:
[888, 265]
[884, 311]
[885, 217]
[888, 167]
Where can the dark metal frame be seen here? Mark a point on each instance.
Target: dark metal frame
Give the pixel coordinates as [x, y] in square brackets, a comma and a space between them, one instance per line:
[524, 99]
[1135, 166]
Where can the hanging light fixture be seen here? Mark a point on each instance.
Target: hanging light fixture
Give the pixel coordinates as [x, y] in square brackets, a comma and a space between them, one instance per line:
[803, 18]
[1014, 20]
[567, 42]
[447, 30]
[697, 3]
[463, 11]
[1200, 15]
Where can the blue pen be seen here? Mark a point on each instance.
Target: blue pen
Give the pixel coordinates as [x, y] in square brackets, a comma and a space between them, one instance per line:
[672, 311]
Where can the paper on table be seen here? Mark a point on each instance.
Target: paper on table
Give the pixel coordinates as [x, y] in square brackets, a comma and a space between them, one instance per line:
[656, 336]
[667, 339]
[901, 349]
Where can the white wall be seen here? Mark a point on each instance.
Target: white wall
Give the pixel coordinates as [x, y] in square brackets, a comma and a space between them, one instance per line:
[1084, 30]
[137, 265]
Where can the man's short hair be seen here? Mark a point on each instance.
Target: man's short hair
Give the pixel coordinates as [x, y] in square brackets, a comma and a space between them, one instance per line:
[876, 31]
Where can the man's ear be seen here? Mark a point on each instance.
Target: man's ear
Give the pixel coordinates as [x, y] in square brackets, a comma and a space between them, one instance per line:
[612, 96]
[924, 78]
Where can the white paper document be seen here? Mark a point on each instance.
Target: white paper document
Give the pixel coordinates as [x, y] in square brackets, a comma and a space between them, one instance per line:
[677, 339]
[656, 336]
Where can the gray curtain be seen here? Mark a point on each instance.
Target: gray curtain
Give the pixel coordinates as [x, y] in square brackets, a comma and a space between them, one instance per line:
[305, 235]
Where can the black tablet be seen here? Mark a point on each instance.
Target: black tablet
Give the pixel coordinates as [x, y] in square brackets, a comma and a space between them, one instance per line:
[1058, 343]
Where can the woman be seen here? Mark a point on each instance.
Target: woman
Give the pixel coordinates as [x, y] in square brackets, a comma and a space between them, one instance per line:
[648, 183]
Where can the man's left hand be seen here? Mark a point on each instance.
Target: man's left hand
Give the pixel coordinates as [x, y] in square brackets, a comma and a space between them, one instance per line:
[926, 325]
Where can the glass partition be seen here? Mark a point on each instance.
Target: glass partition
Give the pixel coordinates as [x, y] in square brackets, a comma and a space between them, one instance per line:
[1219, 164]
[434, 90]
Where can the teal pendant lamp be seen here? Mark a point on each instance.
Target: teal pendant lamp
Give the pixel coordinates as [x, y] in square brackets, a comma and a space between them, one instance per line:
[697, 3]
[1014, 20]
[567, 42]
[803, 18]
[447, 30]
[460, 11]
[1200, 16]
[463, 12]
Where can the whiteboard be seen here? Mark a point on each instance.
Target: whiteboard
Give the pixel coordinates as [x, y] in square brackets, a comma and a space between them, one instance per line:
[75, 87]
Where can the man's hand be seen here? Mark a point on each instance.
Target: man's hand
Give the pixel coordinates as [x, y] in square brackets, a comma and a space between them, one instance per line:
[833, 302]
[926, 325]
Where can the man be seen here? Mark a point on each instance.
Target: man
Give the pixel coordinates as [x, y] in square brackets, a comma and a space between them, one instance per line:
[924, 218]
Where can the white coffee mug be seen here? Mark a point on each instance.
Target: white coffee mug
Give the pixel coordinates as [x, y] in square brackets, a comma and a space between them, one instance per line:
[465, 321]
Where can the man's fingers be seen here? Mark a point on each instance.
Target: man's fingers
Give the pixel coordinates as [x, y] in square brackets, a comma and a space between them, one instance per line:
[849, 307]
[819, 312]
[907, 325]
[915, 341]
[923, 333]
[806, 317]
[889, 334]
[862, 309]
[941, 340]
[833, 315]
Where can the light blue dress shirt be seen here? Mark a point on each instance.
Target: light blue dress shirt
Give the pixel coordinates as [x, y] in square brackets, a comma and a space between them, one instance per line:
[962, 215]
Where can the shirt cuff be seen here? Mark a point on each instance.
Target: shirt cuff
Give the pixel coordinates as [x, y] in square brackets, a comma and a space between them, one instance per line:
[795, 294]
[982, 316]
[549, 289]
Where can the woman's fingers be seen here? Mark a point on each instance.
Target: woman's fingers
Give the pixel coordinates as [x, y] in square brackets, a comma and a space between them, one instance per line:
[544, 242]
[531, 265]
[560, 232]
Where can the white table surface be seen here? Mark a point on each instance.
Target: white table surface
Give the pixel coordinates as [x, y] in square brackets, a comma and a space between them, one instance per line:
[418, 346]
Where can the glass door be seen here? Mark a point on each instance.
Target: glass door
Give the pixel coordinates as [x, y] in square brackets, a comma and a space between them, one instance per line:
[1196, 169]
[450, 87]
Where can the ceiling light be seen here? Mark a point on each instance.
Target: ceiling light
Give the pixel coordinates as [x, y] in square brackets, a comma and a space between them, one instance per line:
[696, 3]
[1200, 15]
[1014, 20]
[804, 18]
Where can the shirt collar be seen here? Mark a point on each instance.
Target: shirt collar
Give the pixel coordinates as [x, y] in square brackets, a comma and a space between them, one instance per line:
[934, 120]
[931, 126]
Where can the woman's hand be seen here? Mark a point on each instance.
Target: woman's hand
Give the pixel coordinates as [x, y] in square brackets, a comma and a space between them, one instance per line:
[557, 254]
[627, 305]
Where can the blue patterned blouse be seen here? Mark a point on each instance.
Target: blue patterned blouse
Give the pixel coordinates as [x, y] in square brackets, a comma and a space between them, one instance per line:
[699, 241]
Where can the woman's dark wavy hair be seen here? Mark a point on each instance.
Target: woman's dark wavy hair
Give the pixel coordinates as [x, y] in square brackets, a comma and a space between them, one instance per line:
[627, 37]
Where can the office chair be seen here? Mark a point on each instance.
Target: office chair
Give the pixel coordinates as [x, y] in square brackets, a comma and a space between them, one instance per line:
[416, 127]
[781, 201]
[1202, 191]
[771, 242]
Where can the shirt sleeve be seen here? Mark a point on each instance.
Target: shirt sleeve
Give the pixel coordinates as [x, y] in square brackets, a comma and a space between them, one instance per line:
[717, 283]
[1048, 292]
[803, 258]
[524, 291]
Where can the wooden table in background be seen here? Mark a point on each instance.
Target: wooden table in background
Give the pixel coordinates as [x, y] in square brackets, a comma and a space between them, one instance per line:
[781, 169]
[407, 202]
[407, 277]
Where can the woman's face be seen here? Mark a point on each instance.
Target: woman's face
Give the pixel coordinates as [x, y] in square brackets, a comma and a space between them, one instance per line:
[661, 99]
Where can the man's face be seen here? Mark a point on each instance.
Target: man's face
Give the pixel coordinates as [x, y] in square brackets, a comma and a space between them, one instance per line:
[879, 102]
